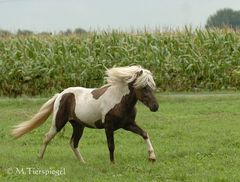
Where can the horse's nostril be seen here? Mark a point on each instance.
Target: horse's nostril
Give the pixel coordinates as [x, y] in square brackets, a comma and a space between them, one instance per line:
[154, 108]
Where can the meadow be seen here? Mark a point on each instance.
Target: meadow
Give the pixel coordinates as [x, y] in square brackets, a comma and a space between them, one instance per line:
[195, 137]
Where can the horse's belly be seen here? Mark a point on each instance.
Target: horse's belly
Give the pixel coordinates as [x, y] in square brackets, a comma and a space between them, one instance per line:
[88, 113]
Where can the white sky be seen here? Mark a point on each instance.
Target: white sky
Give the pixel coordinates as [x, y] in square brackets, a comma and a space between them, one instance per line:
[56, 15]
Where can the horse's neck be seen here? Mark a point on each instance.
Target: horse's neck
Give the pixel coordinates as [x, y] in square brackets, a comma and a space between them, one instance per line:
[127, 97]
[129, 100]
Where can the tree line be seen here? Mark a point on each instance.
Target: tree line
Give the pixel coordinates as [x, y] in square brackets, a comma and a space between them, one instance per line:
[5, 33]
[222, 18]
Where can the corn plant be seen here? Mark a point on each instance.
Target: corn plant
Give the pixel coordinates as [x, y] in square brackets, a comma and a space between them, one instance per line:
[180, 60]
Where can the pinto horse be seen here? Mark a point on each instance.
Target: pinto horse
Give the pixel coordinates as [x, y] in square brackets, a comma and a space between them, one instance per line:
[110, 107]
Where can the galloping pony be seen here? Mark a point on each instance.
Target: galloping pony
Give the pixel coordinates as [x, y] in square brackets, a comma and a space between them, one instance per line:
[110, 107]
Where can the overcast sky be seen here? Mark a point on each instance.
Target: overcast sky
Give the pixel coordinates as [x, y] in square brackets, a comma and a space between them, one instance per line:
[56, 15]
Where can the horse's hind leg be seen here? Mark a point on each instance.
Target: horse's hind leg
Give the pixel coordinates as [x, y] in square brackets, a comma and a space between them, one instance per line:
[76, 136]
[48, 137]
[51, 134]
[59, 121]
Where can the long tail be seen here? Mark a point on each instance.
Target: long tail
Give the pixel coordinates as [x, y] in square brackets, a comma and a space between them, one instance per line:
[36, 120]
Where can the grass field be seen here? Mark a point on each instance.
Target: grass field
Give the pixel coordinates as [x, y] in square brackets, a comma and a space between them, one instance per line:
[196, 137]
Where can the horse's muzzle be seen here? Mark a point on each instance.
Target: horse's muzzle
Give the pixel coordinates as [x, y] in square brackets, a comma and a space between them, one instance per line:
[154, 107]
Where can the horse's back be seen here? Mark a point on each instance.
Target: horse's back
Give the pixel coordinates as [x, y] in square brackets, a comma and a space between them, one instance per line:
[77, 90]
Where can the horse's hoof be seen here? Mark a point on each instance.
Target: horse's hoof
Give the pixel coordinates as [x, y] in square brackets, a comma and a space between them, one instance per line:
[40, 157]
[112, 162]
[152, 159]
[151, 156]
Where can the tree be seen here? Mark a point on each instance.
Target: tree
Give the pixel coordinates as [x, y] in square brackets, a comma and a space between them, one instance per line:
[45, 33]
[5, 33]
[24, 32]
[67, 32]
[79, 31]
[224, 17]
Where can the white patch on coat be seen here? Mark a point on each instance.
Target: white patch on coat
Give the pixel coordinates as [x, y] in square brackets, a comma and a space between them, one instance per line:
[149, 145]
[55, 108]
[151, 154]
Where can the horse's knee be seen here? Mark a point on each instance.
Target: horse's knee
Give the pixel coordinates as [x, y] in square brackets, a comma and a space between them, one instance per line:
[111, 147]
[77, 133]
[145, 135]
[49, 136]
[73, 143]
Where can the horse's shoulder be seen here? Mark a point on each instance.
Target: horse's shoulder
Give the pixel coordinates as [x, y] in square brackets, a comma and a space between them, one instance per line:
[121, 112]
[98, 92]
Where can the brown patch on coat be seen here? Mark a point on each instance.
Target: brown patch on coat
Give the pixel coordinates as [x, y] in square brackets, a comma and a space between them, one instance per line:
[66, 112]
[99, 92]
[99, 124]
[123, 113]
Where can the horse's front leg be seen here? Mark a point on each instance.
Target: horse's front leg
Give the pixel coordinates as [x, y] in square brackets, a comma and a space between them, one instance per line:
[110, 140]
[136, 129]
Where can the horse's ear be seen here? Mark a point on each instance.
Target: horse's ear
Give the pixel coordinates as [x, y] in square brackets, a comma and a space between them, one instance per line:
[139, 73]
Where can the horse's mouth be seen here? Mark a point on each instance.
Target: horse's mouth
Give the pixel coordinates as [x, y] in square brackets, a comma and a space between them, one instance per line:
[154, 107]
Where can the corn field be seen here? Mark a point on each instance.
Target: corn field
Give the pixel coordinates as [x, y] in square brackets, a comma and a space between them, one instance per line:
[180, 60]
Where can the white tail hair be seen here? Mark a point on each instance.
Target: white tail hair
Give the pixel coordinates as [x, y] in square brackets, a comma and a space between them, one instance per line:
[38, 119]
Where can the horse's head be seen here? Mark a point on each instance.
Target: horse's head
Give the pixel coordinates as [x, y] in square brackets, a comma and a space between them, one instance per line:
[147, 97]
[144, 89]
[139, 80]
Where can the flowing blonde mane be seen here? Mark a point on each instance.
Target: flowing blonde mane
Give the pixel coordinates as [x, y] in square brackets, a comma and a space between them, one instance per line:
[125, 75]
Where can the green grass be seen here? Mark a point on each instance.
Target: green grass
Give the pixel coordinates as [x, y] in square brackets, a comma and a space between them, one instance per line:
[195, 137]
